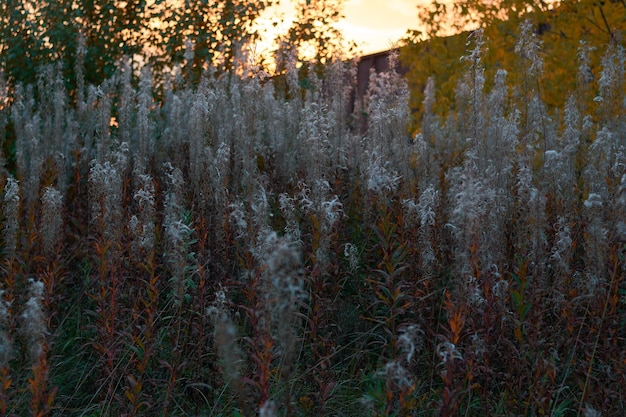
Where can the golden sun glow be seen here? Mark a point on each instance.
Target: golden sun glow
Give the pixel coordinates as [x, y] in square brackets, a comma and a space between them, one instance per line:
[373, 25]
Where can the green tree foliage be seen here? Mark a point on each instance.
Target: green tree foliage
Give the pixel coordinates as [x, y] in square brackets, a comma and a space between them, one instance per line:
[35, 33]
[311, 43]
[20, 40]
[313, 34]
[312, 38]
[111, 30]
[213, 30]
[559, 28]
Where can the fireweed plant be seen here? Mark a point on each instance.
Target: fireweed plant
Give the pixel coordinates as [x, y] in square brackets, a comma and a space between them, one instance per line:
[242, 246]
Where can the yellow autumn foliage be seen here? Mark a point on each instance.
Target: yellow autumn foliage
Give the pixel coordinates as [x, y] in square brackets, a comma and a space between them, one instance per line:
[566, 30]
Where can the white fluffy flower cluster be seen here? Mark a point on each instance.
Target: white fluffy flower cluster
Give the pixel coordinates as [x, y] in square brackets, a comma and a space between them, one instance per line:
[33, 320]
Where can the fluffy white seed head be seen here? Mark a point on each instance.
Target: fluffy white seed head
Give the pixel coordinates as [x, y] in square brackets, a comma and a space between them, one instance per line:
[10, 210]
[5, 341]
[105, 197]
[33, 320]
[51, 219]
[268, 409]
[410, 341]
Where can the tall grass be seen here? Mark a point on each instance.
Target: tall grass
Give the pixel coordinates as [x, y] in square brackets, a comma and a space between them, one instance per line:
[240, 247]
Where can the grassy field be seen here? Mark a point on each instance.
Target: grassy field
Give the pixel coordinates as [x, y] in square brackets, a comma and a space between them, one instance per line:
[235, 249]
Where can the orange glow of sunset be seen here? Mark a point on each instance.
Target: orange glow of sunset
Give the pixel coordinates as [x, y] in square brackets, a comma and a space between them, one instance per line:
[374, 25]
[377, 25]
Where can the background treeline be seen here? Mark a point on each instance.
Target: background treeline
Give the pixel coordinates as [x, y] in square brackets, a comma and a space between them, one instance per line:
[199, 35]
[566, 29]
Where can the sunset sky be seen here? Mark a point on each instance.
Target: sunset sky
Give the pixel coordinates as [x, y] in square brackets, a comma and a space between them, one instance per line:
[373, 24]
[376, 24]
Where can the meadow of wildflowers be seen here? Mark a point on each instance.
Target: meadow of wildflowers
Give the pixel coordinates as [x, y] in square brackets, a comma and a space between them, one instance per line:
[238, 247]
